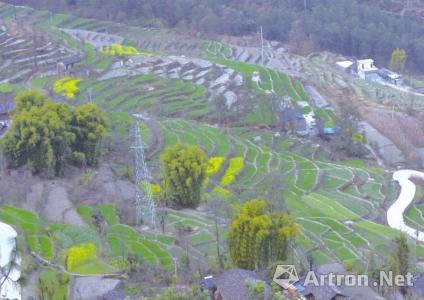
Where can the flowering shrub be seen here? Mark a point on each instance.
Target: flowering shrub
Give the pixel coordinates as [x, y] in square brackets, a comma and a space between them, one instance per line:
[154, 188]
[234, 168]
[79, 255]
[67, 86]
[222, 192]
[214, 165]
[118, 49]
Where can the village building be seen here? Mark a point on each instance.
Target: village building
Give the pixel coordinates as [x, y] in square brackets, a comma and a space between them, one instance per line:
[329, 290]
[68, 63]
[345, 66]
[232, 284]
[325, 292]
[366, 69]
[390, 76]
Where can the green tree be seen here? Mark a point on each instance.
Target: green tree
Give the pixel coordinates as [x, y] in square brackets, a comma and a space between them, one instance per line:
[256, 237]
[39, 135]
[398, 59]
[400, 258]
[44, 135]
[89, 123]
[184, 169]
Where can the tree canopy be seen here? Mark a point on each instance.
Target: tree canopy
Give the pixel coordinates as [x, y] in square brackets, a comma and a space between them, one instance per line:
[47, 136]
[184, 169]
[398, 59]
[257, 237]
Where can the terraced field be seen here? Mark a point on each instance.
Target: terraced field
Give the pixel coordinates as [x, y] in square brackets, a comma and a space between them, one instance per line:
[154, 248]
[274, 56]
[148, 38]
[270, 76]
[149, 93]
[52, 241]
[338, 205]
[22, 57]
[334, 203]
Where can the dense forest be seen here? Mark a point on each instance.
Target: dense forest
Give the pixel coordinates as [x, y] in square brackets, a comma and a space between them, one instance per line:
[357, 28]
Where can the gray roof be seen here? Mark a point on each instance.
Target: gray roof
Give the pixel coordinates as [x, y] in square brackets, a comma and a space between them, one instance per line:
[231, 284]
[113, 295]
[390, 74]
[72, 59]
[418, 287]
[326, 292]
[329, 291]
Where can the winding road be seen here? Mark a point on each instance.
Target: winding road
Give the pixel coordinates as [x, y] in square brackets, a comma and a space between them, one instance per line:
[9, 286]
[406, 196]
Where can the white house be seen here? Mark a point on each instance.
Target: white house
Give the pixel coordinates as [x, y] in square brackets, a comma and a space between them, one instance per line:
[345, 66]
[366, 69]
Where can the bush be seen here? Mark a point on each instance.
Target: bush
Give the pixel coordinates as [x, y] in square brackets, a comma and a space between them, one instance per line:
[67, 87]
[154, 188]
[46, 135]
[222, 192]
[214, 165]
[78, 158]
[5, 88]
[79, 255]
[118, 49]
[236, 165]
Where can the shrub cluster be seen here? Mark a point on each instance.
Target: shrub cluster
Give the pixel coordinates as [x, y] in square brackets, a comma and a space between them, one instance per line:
[117, 49]
[47, 136]
[154, 188]
[222, 192]
[67, 87]
[235, 167]
[79, 255]
[214, 165]
[5, 88]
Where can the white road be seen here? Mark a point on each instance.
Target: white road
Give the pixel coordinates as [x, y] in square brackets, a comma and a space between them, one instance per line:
[406, 196]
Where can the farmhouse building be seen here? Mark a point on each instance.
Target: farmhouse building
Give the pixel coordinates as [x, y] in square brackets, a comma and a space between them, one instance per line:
[391, 77]
[231, 285]
[329, 291]
[366, 69]
[325, 292]
[345, 66]
[68, 63]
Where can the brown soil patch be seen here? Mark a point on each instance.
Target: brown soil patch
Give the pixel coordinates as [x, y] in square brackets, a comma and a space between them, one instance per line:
[405, 131]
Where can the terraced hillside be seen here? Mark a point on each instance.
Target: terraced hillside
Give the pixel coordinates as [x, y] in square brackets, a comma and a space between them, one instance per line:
[51, 241]
[336, 204]
[217, 102]
[22, 57]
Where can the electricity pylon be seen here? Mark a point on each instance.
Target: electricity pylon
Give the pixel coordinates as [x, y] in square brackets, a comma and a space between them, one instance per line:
[145, 206]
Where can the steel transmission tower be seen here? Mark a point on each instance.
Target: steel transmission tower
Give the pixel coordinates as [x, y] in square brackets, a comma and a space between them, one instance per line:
[145, 206]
